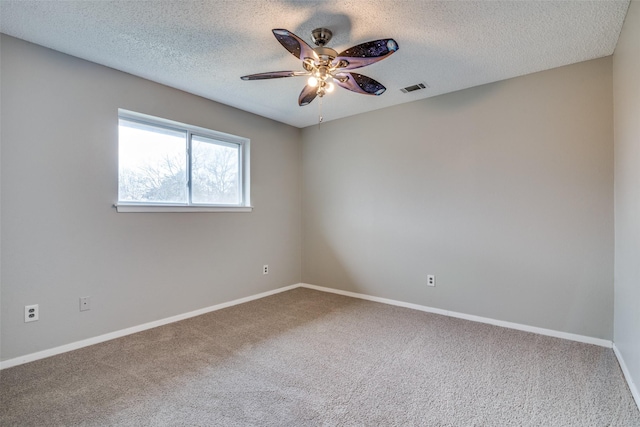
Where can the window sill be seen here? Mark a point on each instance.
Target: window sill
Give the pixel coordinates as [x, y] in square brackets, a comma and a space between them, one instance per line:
[166, 208]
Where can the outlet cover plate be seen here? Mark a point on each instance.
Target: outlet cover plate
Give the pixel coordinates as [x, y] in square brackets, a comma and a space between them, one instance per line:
[31, 313]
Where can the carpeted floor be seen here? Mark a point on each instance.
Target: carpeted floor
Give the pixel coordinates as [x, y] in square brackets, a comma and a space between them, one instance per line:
[308, 358]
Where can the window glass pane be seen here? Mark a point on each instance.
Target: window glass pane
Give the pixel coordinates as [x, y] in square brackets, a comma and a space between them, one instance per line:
[152, 164]
[214, 171]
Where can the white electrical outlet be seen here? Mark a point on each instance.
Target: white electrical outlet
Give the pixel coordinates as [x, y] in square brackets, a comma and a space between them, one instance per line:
[265, 269]
[431, 280]
[85, 303]
[31, 313]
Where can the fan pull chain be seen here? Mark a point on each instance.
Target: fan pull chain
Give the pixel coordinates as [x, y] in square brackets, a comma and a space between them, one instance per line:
[320, 118]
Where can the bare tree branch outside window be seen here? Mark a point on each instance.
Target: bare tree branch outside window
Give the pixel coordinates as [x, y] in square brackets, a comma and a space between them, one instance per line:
[155, 170]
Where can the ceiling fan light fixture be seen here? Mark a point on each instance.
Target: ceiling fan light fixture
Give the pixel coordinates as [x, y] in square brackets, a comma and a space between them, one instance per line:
[313, 82]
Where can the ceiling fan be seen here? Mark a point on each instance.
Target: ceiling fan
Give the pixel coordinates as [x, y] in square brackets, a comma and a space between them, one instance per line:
[324, 66]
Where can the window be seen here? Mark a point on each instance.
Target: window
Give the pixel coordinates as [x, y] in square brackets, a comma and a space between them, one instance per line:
[169, 166]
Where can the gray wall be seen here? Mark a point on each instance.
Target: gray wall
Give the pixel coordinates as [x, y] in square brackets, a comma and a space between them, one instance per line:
[626, 94]
[503, 191]
[61, 238]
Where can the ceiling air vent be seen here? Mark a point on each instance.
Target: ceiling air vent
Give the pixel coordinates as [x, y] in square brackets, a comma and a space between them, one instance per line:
[413, 88]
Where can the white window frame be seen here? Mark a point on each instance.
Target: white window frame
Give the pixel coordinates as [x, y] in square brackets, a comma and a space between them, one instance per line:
[243, 165]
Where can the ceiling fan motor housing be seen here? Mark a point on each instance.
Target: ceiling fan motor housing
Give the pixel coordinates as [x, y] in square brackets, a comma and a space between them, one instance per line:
[325, 53]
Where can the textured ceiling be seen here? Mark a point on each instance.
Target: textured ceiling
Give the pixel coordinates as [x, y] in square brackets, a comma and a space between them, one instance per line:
[203, 47]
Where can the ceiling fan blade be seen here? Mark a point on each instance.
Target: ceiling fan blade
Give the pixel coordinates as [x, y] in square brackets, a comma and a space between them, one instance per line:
[307, 95]
[359, 83]
[274, 75]
[365, 54]
[294, 44]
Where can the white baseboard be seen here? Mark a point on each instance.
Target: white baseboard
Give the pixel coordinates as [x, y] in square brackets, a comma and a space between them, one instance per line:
[542, 331]
[132, 330]
[627, 375]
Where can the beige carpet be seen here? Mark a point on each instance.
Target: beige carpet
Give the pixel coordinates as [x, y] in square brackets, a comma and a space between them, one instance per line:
[307, 358]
